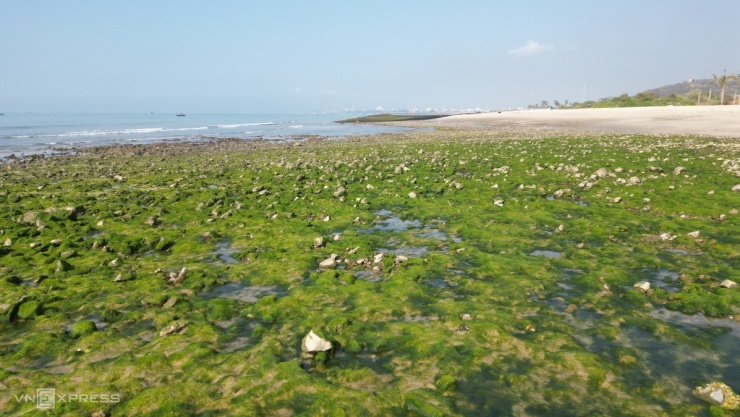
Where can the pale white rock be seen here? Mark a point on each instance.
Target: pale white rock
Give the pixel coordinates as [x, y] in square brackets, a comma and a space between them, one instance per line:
[114, 263]
[635, 181]
[666, 236]
[330, 262]
[318, 242]
[728, 283]
[736, 188]
[337, 238]
[412, 195]
[313, 343]
[561, 228]
[601, 172]
[8, 242]
[693, 234]
[710, 192]
[378, 258]
[499, 202]
[401, 258]
[643, 286]
[679, 170]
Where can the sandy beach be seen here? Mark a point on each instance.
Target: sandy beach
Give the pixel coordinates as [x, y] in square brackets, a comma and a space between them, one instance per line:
[715, 121]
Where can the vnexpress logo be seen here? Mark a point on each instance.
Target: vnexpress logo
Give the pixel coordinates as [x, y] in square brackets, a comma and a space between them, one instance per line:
[46, 398]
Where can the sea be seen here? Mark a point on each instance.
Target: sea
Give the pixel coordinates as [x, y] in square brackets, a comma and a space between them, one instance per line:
[46, 133]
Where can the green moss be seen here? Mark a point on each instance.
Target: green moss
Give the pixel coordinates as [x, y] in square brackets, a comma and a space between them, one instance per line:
[83, 328]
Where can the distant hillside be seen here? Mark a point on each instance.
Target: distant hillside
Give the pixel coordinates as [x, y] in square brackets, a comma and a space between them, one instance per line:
[686, 87]
[688, 93]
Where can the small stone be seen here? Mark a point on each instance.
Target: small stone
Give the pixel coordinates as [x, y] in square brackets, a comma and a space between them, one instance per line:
[401, 258]
[412, 195]
[728, 283]
[635, 181]
[378, 258]
[679, 170]
[666, 236]
[736, 188]
[734, 212]
[601, 172]
[119, 278]
[340, 192]
[579, 245]
[114, 263]
[466, 317]
[499, 203]
[171, 302]
[671, 187]
[329, 263]
[710, 192]
[561, 228]
[313, 343]
[694, 234]
[56, 242]
[718, 394]
[318, 242]
[337, 238]
[152, 221]
[176, 327]
[83, 328]
[643, 286]
[8, 242]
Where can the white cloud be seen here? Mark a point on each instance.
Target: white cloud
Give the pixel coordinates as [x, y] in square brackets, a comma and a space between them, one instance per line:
[531, 47]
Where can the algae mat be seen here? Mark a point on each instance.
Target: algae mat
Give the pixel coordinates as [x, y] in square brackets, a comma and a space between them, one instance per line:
[467, 273]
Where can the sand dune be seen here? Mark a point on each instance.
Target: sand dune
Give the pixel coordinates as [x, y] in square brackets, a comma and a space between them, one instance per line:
[718, 121]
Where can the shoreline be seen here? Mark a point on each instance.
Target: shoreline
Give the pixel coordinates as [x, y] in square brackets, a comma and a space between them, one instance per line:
[711, 121]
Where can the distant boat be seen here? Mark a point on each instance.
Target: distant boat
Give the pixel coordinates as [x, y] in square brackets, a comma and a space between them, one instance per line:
[180, 114]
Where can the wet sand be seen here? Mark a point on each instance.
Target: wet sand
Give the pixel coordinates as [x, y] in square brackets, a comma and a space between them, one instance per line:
[715, 121]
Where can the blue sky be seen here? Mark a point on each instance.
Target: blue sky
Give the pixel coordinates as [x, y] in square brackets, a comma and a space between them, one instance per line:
[291, 56]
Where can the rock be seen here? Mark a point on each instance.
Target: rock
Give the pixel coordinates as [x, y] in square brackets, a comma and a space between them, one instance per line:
[655, 169]
[666, 236]
[401, 258]
[62, 266]
[152, 221]
[466, 317]
[718, 394]
[643, 286]
[176, 327]
[100, 413]
[337, 238]
[498, 202]
[378, 258]
[83, 328]
[30, 216]
[313, 343]
[728, 283]
[8, 242]
[579, 245]
[679, 170]
[171, 302]
[571, 308]
[412, 195]
[318, 242]
[114, 263]
[458, 185]
[561, 228]
[735, 188]
[601, 172]
[181, 276]
[635, 181]
[56, 242]
[119, 278]
[340, 192]
[558, 194]
[67, 254]
[694, 234]
[734, 211]
[330, 262]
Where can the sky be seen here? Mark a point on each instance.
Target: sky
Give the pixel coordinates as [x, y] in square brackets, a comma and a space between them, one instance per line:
[222, 56]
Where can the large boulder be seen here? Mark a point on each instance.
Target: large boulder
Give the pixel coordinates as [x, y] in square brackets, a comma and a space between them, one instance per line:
[314, 343]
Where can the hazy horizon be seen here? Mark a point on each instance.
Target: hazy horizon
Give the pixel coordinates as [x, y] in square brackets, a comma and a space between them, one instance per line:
[243, 58]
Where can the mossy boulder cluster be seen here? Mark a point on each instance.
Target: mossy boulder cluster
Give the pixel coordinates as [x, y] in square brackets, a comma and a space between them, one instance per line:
[450, 272]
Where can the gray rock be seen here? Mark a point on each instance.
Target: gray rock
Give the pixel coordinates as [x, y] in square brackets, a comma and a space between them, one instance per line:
[176, 327]
[313, 343]
[601, 172]
[679, 170]
[340, 192]
[643, 286]
[728, 283]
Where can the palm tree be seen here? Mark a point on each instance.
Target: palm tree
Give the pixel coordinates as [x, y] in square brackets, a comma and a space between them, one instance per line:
[722, 82]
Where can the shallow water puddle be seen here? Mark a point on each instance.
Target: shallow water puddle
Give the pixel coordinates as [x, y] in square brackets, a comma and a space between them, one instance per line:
[368, 275]
[225, 253]
[547, 253]
[245, 293]
[683, 252]
[392, 223]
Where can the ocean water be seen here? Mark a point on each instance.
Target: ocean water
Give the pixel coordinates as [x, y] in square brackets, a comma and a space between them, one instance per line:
[29, 133]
